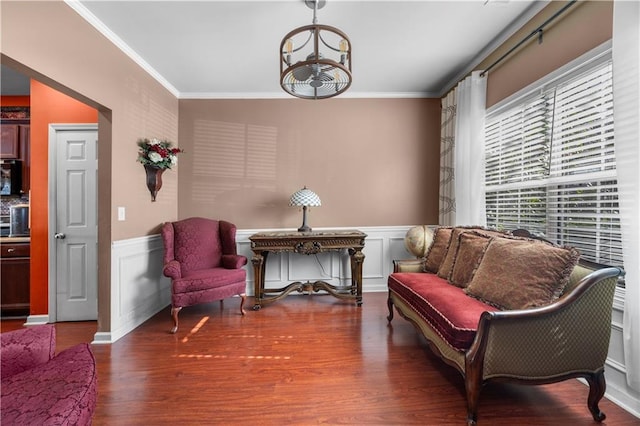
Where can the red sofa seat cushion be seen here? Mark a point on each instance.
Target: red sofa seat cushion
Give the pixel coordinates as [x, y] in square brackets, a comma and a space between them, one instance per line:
[452, 313]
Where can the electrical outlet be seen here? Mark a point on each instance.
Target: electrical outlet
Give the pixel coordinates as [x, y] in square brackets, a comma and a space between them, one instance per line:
[121, 213]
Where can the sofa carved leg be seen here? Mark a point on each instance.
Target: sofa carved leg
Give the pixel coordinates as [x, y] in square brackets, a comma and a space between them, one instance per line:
[243, 298]
[472, 385]
[390, 306]
[174, 315]
[597, 387]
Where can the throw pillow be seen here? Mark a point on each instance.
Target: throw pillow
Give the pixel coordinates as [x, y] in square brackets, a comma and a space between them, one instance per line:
[438, 249]
[518, 273]
[444, 271]
[471, 248]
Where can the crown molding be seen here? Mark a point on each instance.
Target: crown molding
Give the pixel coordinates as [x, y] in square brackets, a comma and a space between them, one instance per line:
[81, 10]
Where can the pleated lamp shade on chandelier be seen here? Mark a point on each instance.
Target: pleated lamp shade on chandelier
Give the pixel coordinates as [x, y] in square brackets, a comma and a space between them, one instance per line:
[304, 198]
[315, 60]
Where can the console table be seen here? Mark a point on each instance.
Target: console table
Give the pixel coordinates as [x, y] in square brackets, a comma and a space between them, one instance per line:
[307, 243]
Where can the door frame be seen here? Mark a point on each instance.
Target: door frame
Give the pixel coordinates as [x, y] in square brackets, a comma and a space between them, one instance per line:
[52, 208]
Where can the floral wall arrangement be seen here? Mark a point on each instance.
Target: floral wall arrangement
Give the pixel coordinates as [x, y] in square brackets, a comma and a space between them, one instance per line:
[156, 155]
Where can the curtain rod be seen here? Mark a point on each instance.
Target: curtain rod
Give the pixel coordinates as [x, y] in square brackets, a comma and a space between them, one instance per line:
[537, 31]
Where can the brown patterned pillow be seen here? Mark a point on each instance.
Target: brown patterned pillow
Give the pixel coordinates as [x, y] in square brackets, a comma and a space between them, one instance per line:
[471, 248]
[438, 249]
[517, 273]
[446, 267]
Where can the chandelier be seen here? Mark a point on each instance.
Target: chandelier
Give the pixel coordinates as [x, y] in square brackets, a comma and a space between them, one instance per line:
[315, 59]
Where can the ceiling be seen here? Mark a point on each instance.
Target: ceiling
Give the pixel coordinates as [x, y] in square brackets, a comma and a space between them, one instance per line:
[229, 49]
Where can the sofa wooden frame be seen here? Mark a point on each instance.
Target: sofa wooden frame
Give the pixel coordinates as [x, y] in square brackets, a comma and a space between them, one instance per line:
[517, 345]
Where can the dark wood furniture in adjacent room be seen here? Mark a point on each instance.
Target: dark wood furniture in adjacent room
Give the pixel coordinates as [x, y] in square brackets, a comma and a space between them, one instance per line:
[307, 243]
[14, 279]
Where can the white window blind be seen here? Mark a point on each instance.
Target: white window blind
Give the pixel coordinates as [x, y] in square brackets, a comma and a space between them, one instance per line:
[550, 165]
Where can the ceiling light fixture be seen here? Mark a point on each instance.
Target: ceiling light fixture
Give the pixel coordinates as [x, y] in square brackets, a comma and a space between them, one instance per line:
[315, 59]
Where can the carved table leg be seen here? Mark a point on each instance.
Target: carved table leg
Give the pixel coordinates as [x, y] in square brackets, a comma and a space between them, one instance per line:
[259, 263]
[357, 259]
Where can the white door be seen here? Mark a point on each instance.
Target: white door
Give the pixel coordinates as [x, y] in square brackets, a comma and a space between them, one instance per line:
[75, 235]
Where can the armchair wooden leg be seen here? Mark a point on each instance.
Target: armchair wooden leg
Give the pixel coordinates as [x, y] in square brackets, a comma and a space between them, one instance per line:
[390, 306]
[174, 315]
[597, 387]
[243, 298]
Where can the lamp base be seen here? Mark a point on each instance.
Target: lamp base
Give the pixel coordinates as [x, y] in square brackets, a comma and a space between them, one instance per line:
[304, 228]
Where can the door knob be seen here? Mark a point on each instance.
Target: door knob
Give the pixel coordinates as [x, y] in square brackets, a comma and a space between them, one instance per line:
[59, 236]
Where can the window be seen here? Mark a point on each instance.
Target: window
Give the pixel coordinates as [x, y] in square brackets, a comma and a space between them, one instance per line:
[550, 164]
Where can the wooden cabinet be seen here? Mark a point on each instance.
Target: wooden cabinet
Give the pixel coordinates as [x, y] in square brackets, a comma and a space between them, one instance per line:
[16, 145]
[10, 142]
[24, 137]
[14, 279]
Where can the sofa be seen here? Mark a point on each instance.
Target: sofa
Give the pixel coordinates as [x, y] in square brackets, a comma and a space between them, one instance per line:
[509, 307]
[42, 388]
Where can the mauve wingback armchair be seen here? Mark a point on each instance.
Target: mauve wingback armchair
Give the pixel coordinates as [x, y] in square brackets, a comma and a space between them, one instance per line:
[201, 258]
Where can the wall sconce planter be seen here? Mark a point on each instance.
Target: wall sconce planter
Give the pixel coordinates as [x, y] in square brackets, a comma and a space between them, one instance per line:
[154, 179]
[156, 156]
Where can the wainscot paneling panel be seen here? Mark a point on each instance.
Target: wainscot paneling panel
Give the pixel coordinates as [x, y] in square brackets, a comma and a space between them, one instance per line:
[138, 288]
[382, 246]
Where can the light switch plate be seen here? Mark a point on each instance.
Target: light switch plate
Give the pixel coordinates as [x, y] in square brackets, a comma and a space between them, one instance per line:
[121, 213]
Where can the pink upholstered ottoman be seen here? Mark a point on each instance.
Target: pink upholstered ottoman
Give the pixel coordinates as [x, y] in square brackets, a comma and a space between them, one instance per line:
[43, 389]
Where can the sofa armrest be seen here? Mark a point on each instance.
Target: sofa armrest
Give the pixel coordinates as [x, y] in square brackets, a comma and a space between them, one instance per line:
[408, 265]
[172, 269]
[567, 337]
[26, 348]
[233, 261]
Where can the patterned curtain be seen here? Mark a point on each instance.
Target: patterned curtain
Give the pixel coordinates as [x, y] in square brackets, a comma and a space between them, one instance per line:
[462, 200]
[447, 203]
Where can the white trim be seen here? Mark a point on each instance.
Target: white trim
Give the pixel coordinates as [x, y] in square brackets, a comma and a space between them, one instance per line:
[283, 95]
[37, 320]
[120, 44]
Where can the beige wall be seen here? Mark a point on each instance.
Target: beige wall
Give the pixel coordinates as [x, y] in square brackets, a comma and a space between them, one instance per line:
[58, 47]
[50, 42]
[373, 162]
[582, 27]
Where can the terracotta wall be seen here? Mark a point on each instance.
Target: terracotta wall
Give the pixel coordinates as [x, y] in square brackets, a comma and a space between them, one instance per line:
[373, 162]
[47, 106]
[582, 27]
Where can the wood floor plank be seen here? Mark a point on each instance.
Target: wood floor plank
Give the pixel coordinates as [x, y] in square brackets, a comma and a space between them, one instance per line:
[304, 360]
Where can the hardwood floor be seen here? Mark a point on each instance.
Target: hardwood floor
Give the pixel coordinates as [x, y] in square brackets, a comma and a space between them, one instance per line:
[303, 360]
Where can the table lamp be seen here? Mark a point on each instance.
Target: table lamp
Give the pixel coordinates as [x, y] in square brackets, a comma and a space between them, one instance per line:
[305, 198]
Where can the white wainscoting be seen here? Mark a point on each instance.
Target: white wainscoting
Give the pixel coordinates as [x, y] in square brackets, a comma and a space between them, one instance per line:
[382, 245]
[615, 370]
[139, 290]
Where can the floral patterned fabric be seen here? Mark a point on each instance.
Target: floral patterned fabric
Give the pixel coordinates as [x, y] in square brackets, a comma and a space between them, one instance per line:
[26, 348]
[202, 261]
[59, 391]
